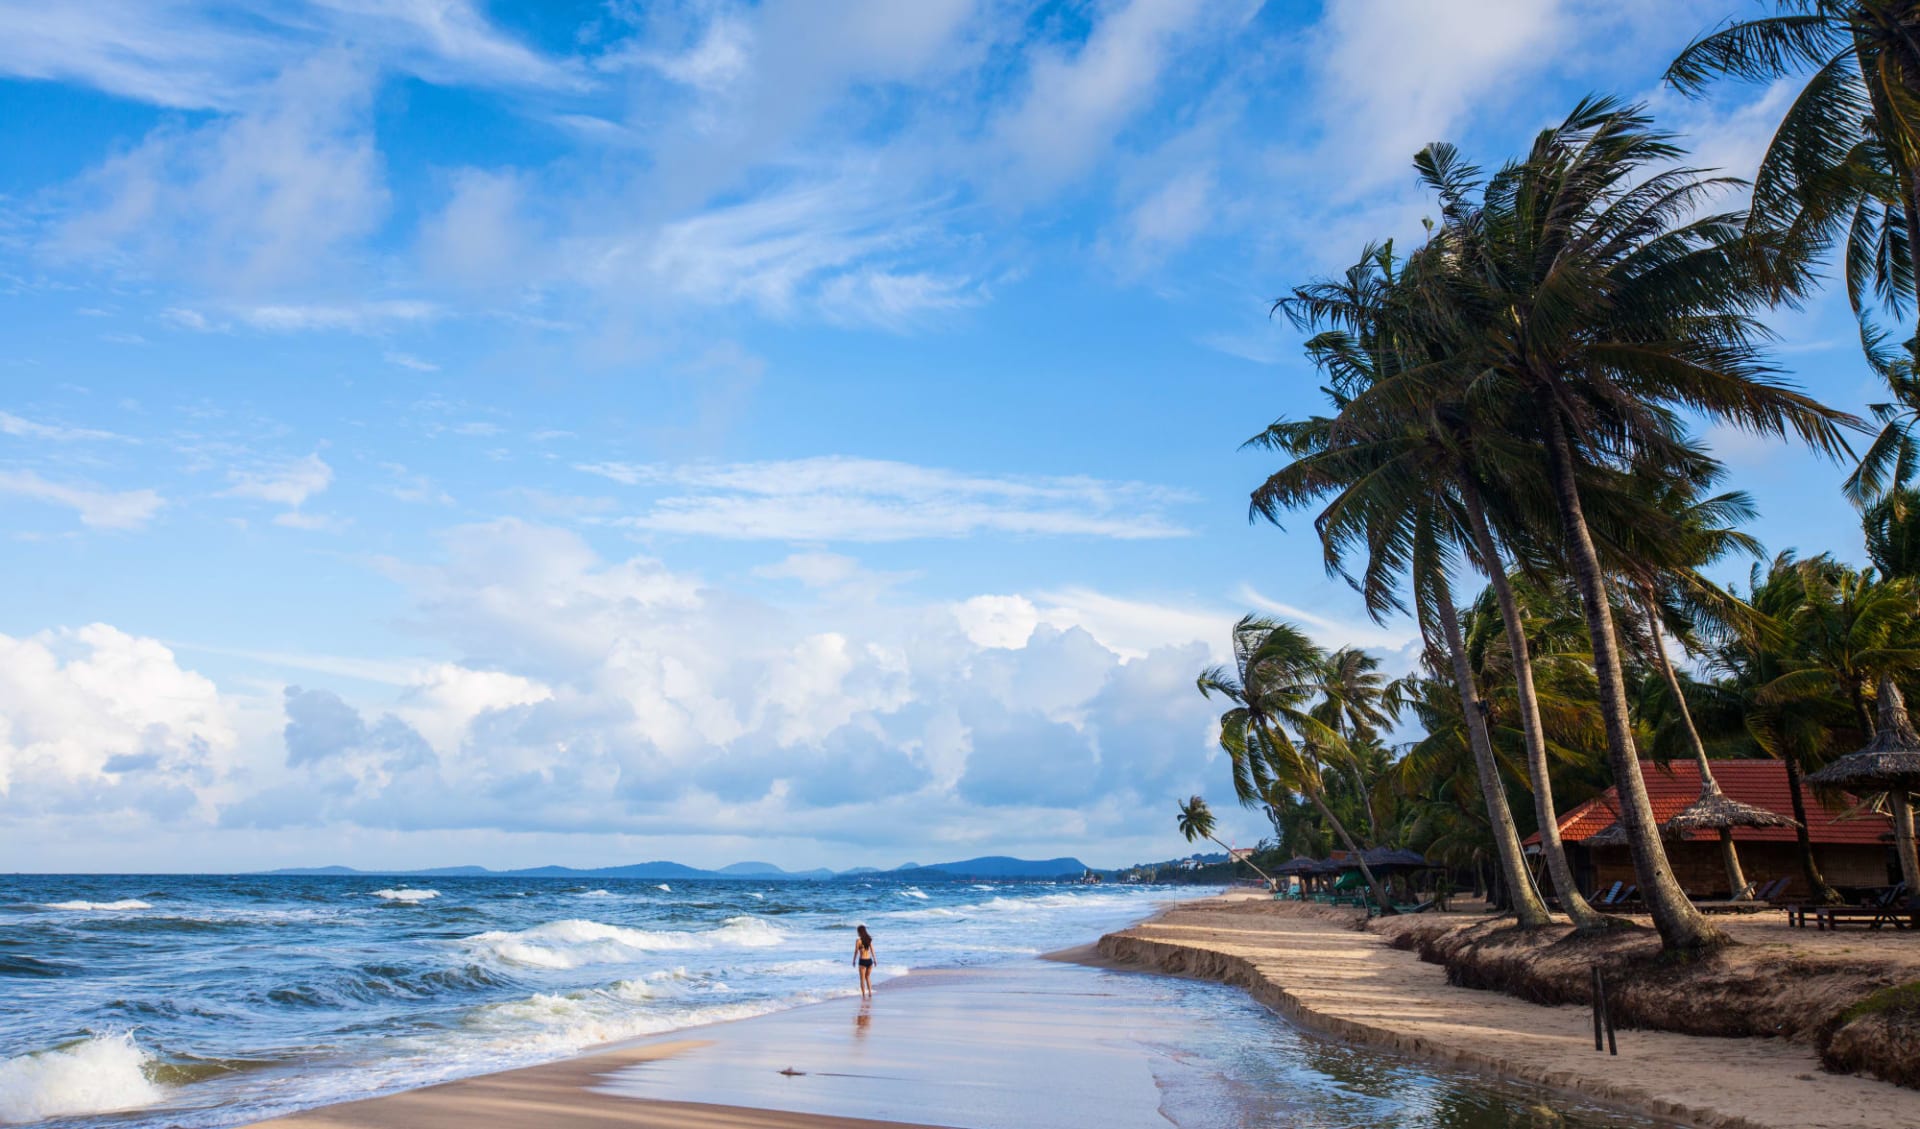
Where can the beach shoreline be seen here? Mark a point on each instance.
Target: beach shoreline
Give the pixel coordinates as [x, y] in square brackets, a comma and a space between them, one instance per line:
[1317, 968]
[1053, 1039]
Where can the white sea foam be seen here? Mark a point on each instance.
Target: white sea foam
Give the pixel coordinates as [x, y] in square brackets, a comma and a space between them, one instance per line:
[664, 886]
[980, 887]
[751, 894]
[103, 1074]
[576, 942]
[122, 904]
[914, 892]
[597, 894]
[406, 895]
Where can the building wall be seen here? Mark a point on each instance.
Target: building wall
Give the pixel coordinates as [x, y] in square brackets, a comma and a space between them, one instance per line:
[1703, 874]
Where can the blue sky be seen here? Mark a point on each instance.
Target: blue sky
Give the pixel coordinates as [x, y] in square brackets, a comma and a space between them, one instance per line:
[444, 432]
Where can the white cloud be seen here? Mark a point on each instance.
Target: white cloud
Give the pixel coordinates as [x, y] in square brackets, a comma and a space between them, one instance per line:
[200, 57]
[1377, 115]
[98, 509]
[94, 707]
[837, 498]
[409, 361]
[19, 428]
[1076, 104]
[289, 483]
[355, 317]
[262, 197]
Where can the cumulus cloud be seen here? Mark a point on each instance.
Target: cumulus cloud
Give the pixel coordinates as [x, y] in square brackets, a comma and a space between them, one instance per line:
[94, 717]
[609, 695]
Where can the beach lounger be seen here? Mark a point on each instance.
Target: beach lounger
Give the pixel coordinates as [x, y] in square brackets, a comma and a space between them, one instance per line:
[1892, 907]
[1605, 899]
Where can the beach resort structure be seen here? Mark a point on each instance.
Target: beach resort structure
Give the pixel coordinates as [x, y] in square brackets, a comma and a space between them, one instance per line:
[1852, 844]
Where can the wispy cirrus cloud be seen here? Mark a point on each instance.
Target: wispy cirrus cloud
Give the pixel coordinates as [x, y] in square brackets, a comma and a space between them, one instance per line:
[289, 483]
[839, 498]
[21, 428]
[97, 509]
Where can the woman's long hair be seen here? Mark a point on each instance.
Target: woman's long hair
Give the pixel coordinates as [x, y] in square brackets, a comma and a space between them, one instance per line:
[866, 938]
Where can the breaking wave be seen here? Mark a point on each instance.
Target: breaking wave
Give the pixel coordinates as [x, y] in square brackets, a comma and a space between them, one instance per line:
[406, 895]
[576, 942]
[122, 904]
[104, 1074]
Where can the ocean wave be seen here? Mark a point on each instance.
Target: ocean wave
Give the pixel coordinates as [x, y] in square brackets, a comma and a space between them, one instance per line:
[576, 942]
[664, 886]
[913, 892]
[548, 1024]
[104, 1074]
[111, 907]
[406, 895]
[751, 894]
[594, 894]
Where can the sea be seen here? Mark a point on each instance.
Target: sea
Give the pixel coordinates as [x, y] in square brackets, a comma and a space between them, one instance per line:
[130, 1000]
[147, 1001]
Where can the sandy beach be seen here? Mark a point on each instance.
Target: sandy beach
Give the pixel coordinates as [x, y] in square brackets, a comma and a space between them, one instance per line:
[1313, 966]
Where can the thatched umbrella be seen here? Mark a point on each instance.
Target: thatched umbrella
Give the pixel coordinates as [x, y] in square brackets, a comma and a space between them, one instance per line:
[1718, 812]
[1395, 858]
[1889, 763]
[1299, 866]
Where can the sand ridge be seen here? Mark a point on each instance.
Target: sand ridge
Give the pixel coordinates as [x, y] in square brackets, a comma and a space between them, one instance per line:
[1315, 966]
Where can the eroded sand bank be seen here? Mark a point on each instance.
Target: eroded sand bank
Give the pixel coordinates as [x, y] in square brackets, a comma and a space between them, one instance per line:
[1313, 966]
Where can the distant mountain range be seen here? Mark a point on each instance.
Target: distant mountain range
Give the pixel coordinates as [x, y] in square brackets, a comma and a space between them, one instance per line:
[991, 866]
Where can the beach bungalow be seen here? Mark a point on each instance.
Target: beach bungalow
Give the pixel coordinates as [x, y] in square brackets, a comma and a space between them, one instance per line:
[1852, 847]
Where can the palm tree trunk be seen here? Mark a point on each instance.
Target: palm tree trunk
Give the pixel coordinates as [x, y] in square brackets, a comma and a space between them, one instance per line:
[1527, 905]
[1380, 895]
[1271, 885]
[1729, 854]
[1817, 889]
[1903, 839]
[1366, 803]
[1585, 917]
[1682, 926]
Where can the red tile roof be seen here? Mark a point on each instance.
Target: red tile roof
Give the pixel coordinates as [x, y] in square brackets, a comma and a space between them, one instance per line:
[1762, 783]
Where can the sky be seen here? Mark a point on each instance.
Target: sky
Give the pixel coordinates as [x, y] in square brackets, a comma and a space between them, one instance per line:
[438, 432]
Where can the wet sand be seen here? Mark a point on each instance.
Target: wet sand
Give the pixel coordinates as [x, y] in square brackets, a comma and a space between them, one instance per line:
[997, 1048]
[1011, 1046]
[1311, 965]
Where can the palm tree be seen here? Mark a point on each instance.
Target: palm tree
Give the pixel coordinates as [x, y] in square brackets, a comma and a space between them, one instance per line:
[1595, 312]
[1892, 526]
[1276, 677]
[1752, 704]
[1387, 471]
[1846, 158]
[1354, 708]
[1675, 537]
[1196, 822]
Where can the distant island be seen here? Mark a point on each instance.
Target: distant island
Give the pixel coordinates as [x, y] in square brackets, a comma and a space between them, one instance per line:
[999, 867]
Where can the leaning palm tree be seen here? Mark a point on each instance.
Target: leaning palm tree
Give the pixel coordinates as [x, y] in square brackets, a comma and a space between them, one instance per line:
[1395, 463]
[1596, 310]
[1271, 738]
[1196, 822]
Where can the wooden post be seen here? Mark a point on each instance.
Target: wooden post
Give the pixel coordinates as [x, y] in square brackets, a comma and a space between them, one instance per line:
[1599, 1005]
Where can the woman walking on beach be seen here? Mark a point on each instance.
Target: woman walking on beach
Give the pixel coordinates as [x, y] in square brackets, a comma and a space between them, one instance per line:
[863, 958]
